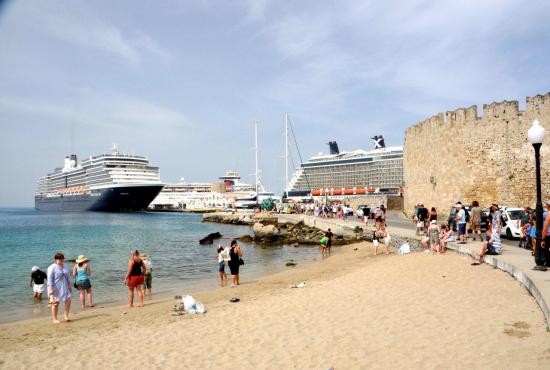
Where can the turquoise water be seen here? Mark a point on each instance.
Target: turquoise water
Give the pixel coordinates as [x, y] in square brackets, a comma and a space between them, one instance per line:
[180, 264]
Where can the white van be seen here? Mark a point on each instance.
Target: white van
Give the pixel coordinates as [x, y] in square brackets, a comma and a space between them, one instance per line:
[511, 222]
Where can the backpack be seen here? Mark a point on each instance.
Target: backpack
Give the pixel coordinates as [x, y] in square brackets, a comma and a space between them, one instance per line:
[467, 215]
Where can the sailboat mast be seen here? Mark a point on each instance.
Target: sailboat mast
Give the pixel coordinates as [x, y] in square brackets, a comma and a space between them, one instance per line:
[256, 150]
[286, 154]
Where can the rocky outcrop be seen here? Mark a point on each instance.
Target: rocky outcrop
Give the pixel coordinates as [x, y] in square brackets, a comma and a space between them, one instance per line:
[265, 233]
[243, 219]
[209, 239]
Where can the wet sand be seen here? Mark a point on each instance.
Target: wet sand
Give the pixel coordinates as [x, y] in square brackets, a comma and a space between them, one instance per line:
[357, 311]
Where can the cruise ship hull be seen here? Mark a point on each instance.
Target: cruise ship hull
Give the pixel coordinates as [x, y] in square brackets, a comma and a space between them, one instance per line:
[112, 199]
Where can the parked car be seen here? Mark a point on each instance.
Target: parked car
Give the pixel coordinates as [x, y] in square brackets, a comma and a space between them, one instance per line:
[484, 218]
[511, 222]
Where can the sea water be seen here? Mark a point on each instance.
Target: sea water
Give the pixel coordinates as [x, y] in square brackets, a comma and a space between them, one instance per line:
[180, 264]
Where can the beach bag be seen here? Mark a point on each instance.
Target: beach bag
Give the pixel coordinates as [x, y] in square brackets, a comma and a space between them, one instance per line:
[404, 249]
[420, 224]
[241, 262]
[324, 240]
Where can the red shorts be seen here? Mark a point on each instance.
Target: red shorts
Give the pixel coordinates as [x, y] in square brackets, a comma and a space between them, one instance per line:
[135, 281]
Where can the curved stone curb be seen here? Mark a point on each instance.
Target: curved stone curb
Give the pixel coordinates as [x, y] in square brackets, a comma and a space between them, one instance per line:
[518, 274]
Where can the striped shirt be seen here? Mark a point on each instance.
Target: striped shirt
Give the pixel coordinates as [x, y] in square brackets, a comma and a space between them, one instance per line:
[497, 243]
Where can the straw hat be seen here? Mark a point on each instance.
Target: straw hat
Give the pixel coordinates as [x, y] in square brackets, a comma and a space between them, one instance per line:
[81, 258]
[144, 256]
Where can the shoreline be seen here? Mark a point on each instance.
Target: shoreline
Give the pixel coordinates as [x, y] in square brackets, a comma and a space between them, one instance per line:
[355, 308]
[199, 286]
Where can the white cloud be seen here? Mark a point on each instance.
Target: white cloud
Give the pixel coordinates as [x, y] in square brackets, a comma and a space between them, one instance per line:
[76, 24]
[102, 110]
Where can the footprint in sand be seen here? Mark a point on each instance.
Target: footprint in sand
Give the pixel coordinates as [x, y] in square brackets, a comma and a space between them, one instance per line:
[521, 333]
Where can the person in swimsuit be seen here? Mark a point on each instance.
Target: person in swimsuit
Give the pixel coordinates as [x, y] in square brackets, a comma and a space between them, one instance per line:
[82, 274]
[134, 278]
[37, 283]
[59, 287]
[235, 254]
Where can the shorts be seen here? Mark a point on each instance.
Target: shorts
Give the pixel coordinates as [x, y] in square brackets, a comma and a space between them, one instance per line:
[83, 284]
[39, 288]
[462, 229]
[221, 266]
[147, 281]
[491, 250]
[135, 281]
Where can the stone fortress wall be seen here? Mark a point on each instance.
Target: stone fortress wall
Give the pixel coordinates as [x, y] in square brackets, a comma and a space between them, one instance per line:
[459, 156]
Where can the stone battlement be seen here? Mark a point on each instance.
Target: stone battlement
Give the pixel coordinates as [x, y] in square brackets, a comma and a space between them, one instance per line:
[538, 102]
[457, 155]
[495, 110]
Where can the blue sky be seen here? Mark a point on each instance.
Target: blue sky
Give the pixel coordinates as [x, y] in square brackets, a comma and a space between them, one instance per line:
[183, 81]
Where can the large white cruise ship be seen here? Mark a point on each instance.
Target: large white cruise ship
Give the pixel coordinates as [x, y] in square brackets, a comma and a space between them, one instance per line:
[107, 182]
[350, 173]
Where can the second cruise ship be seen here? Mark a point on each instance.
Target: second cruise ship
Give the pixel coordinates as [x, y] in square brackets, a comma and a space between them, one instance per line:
[357, 172]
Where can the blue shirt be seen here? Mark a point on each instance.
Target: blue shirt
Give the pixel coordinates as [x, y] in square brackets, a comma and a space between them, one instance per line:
[60, 279]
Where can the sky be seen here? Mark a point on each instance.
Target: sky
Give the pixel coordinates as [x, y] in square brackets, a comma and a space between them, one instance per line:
[182, 82]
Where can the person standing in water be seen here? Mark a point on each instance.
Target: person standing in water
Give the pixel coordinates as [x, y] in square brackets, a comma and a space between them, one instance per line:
[222, 257]
[37, 282]
[235, 254]
[148, 277]
[82, 274]
[59, 287]
[134, 278]
[329, 236]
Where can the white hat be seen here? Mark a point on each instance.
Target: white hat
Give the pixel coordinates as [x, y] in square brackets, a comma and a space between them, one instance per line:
[458, 205]
[34, 268]
[433, 222]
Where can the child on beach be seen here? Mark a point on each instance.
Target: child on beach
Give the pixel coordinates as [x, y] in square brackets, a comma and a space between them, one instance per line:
[37, 283]
[324, 242]
[148, 276]
[223, 257]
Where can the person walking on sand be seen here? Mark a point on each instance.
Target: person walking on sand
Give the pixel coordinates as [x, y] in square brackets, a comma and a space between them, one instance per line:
[83, 273]
[59, 287]
[433, 234]
[134, 278]
[235, 261]
[148, 276]
[37, 282]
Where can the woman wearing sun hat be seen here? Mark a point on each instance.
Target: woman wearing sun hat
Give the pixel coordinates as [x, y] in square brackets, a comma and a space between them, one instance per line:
[83, 273]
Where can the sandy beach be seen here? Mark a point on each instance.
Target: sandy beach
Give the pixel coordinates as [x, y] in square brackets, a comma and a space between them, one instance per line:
[358, 311]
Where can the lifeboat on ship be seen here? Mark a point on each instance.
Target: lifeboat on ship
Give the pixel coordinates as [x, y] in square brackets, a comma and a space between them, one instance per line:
[348, 191]
[316, 193]
[370, 190]
[360, 191]
[336, 191]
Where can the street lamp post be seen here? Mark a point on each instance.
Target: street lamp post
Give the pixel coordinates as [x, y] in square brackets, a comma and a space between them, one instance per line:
[535, 135]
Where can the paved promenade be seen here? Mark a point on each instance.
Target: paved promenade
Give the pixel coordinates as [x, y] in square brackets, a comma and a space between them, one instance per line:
[514, 260]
